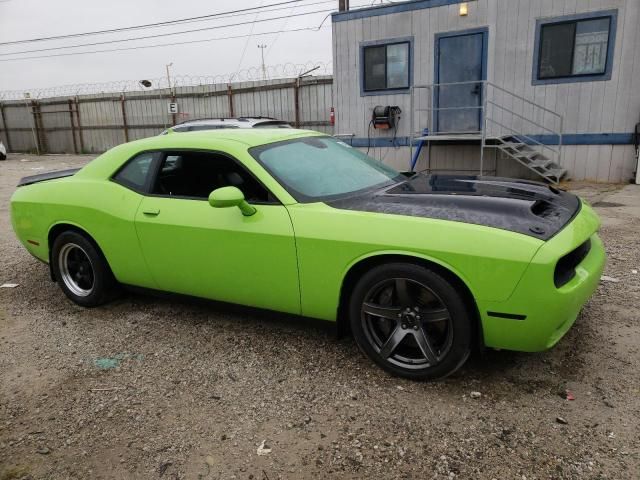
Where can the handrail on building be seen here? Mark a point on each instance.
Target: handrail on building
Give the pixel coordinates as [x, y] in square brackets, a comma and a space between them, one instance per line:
[487, 90]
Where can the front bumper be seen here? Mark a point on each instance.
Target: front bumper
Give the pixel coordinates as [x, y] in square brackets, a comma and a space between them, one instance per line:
[548, 312]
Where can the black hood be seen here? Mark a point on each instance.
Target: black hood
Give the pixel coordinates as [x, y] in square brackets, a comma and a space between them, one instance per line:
[531, 208]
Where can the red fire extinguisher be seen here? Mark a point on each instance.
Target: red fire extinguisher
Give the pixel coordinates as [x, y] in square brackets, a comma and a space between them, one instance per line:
[332, 116]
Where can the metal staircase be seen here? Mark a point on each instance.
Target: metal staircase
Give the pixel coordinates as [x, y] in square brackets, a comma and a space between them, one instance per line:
[517, 127]
[531, 157]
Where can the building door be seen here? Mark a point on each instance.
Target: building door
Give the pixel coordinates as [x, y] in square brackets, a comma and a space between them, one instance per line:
[461, 60]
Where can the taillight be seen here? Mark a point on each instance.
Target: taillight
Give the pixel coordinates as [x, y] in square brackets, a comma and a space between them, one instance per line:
[566, 266]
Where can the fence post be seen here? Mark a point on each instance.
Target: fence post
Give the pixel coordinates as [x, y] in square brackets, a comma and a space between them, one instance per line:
[230, 98]
[80, 136]
[41, 138]
[483, 127]
[296, 101]
[43, 133]
[4, 126]
[73, 127]
[125, 125]
[173, 100]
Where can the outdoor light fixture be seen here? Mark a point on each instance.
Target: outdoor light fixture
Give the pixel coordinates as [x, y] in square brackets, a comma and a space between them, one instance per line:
[464, 9]
[145, 83]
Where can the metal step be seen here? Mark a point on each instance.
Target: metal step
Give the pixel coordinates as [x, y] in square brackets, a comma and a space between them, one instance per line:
[543, 162]
[556, 173]
[528, 155]
[534, 160]
[512, 145]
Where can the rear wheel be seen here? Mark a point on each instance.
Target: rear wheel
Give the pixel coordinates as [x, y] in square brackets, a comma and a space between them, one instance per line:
[411, 321]
[81, 270]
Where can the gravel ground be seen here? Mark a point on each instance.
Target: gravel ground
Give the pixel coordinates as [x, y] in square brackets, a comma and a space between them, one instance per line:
[183, 389]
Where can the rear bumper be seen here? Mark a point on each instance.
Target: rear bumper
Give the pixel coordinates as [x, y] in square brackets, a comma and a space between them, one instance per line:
[548, 312]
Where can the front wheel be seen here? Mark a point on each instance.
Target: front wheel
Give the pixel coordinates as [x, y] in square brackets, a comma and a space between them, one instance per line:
[411, 321]
[81, 271]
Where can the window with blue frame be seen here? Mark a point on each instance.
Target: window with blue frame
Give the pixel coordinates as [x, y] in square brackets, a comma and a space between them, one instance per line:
[386, 67]
[575, 48]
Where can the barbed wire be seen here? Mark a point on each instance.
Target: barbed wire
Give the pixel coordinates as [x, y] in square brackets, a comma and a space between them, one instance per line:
[270, 72]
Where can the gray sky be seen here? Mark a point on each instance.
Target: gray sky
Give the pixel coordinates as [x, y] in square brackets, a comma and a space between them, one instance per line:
[25, 19]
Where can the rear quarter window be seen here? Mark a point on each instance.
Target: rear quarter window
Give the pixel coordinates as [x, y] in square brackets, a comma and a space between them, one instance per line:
[135, 173]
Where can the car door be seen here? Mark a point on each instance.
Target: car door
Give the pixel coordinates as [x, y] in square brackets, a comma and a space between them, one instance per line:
[193, 248]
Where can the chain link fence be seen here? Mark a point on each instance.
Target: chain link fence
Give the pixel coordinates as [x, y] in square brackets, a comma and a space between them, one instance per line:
[91, 118]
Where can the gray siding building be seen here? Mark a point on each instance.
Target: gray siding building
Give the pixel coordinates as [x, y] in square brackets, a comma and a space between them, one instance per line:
[533, 88]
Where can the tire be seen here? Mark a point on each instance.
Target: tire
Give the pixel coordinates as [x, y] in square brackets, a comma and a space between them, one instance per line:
[411, 321]
[81, 270]
[3, 156]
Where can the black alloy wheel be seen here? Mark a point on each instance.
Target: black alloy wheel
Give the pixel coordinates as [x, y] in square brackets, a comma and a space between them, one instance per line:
[81, 270]
[411, 321]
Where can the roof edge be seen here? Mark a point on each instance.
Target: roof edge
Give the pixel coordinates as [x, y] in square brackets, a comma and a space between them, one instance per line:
[389, 9]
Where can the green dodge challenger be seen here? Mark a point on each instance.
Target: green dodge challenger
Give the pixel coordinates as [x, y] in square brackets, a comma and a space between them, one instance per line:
[421, 268]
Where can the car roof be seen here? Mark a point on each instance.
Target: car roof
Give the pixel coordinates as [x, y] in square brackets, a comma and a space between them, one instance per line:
[251, 137]
[239, 122]
[227, 120]
[230, 140]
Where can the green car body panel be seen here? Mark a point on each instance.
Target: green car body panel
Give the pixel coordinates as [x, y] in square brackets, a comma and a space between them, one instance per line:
[294, 256]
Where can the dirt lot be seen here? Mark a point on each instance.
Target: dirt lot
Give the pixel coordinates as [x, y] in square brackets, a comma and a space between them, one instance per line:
[177, 388]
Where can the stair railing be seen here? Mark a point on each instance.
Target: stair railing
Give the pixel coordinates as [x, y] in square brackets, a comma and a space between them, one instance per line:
[490, 109]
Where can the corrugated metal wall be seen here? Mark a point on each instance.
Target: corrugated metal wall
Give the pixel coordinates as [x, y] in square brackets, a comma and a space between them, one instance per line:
[95, 123]
[611, 106]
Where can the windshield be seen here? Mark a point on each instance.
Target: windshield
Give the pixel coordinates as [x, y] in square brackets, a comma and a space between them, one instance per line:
[322, 168]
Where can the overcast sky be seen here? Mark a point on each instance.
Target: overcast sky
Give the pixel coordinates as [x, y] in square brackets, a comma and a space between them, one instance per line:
[27, 19]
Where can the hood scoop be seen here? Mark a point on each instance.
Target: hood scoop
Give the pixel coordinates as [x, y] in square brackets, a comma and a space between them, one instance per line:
[530, 208]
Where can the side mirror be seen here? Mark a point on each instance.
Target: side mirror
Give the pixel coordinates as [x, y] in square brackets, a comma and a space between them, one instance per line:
[230, 197]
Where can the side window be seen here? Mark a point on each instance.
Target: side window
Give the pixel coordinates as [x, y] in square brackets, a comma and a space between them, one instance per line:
[197, 174]
[578, 47]
[134, 174]
[386, 67]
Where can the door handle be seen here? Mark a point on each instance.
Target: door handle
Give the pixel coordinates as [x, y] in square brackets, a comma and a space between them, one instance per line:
[151, 211]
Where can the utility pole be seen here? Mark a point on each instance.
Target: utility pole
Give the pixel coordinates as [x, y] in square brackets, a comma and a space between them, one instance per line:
[264, 70]
[168, 76]
[172, 93]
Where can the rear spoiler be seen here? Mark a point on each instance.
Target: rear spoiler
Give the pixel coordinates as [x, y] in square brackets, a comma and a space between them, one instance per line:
[47, 176]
